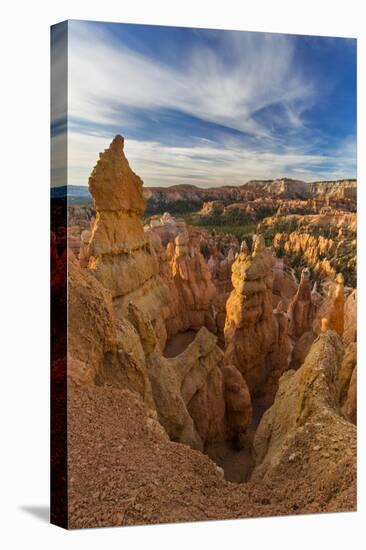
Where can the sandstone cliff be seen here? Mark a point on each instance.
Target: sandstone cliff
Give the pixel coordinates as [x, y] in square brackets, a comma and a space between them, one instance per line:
[303, 434]
[198, 284]
[188, 389]
[183, 198]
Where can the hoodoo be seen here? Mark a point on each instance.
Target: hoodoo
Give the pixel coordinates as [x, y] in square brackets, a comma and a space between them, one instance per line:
[120, 255]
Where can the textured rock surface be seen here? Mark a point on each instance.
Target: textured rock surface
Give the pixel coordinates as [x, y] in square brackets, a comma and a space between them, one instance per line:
[189, 281]
[198, 284]
[301, 349]
[189, 389]
[345, 372]
[252, 331]
[131, 405]
[92, 323]
[120, 256]
[303, 434]
[325, 242]
[144, 478]
[348, 373]
[302, 310]
[331, 312]
[350, 319]
[349, 407]
[238, 404]
[177, 196]
[284, 283]
[102, 349]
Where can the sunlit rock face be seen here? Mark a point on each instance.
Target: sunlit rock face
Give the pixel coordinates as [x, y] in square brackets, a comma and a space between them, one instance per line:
[256, 337]
[284, 283]
[302, 310]
[192, 280]
[330, 315]
[186, 274]
[325, 242]
[120, 310]
[196, 399]
[121, 257]
[303, 434]
[102, 349]
[199, 401]
[347, 378]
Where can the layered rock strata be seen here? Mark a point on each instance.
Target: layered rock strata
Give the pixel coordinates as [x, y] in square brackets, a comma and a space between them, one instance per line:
[191, 288]
[180, 386]
[256, 337]
[331, 312]
[121, 257]
[195, 398]
[197, 288]
[302, 310]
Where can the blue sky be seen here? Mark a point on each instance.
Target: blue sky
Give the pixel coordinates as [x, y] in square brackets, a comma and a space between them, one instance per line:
[210, 107]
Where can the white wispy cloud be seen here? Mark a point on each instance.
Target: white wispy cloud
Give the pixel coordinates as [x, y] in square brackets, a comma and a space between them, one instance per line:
[106, 79]
[229, 85]
[207, 164]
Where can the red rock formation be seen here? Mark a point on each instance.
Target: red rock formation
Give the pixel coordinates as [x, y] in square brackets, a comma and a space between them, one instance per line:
[186, 274]
[101, 348]
[136, 285]
[193, 394]
[330, 315]
[302, 310]
[120, 255]
[348, 373]
[350, 320]
[256, 339]
[165, 198]
[336, 312]
[349, 407]
[84, 248]
[279, 356]
[284, 283]
[194, 290]
[303, 435]
[115, 343]
[325, 242]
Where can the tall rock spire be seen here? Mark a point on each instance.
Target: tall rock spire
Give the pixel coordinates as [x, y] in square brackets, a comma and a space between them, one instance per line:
[302, 309]
[336, 310]
[112, 183]
[250, 327]
[120, 256]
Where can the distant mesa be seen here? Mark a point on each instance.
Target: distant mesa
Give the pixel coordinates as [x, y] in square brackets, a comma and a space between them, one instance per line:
[190, 197]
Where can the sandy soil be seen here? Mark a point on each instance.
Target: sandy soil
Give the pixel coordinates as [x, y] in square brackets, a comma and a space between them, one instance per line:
[123, 471]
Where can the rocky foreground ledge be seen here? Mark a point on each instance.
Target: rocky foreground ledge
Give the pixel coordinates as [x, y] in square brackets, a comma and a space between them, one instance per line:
[125, 471]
